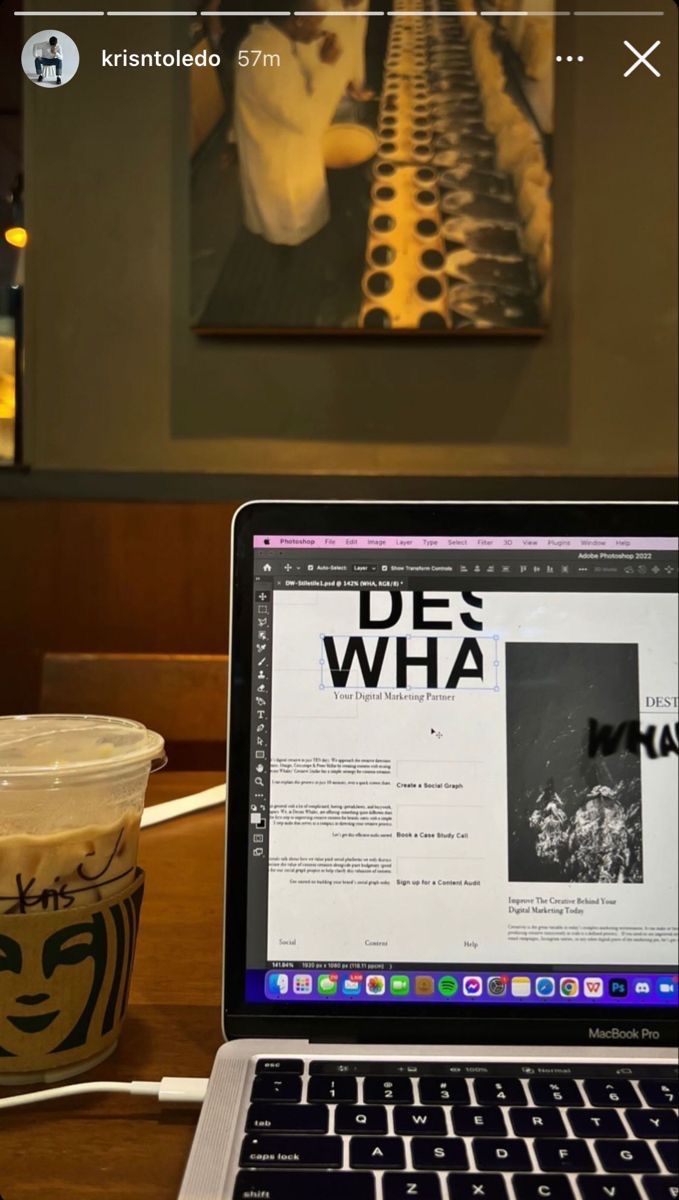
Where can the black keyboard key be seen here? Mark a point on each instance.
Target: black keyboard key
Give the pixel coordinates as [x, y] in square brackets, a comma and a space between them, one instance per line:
[387, 1091]
[540, 1187]
[660, 1093]
[596, 1122]
[354, 1118]
[287, 1118]
[377, 1153]
[420, 1120]
[555, 1091]
[499, 1091]
[564, 1154]
[476, 1187]
[653, 1122]
[507, 1154]
[608, 1187]
[279, 1066]
[303, 1185]
[631, 1158]
[285, 1089]
[435, 1090]
[402, 1187]
[612, 1093]
[279, 1151]
[669, 1153]
[662, 1187]
[332, 1089]
[537, 1122]
[478, 1122]
[447, 1154]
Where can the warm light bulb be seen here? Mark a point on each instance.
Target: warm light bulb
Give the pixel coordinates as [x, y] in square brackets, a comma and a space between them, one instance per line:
[16, 236]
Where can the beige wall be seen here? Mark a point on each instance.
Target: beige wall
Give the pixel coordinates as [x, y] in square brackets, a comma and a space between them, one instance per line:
[116, 381]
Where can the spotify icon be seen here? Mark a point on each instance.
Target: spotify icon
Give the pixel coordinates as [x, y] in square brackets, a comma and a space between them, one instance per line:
[448, 985]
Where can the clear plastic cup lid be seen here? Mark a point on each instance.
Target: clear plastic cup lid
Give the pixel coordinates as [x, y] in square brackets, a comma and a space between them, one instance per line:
[60, 744]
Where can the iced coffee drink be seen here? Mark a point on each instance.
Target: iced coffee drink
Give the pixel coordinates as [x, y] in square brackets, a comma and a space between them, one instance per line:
[71, 798]
[71, 890]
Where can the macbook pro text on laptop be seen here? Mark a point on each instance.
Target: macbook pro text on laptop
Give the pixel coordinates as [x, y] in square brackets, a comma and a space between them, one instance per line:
[451, 886]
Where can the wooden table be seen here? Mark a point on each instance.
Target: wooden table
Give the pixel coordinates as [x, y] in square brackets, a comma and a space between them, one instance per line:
[123, 1147]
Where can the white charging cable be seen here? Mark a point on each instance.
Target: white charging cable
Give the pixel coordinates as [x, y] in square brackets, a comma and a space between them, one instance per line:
[170, 1090]
[170, 809]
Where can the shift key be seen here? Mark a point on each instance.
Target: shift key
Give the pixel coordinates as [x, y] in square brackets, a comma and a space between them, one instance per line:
[293, 1151]
[304, 1185]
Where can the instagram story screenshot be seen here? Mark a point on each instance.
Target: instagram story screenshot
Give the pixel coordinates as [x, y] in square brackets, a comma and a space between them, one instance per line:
[338, 600]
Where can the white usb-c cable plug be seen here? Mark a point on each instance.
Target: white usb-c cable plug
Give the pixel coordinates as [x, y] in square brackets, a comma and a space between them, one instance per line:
[170, 1090]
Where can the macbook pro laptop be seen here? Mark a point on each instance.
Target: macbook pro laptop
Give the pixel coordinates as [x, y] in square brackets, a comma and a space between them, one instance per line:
[451, 883]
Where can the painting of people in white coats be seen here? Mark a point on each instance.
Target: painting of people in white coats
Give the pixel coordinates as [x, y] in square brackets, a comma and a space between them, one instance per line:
[361, 169]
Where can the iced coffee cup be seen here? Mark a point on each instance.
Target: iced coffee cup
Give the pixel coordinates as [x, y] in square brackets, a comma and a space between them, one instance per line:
[71, 797]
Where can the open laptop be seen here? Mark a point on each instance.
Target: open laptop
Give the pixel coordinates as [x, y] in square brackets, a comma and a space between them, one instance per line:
[451, 886]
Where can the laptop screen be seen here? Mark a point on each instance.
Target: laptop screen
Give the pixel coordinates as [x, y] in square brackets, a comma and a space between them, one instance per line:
[463, 784]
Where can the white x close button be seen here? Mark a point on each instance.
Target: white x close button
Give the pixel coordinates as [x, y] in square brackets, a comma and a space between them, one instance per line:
[642, 57]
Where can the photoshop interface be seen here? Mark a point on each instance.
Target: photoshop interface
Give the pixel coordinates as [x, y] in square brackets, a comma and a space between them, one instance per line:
[399, 684]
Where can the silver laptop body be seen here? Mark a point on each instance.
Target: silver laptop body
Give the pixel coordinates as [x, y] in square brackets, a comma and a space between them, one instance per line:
[451, 881]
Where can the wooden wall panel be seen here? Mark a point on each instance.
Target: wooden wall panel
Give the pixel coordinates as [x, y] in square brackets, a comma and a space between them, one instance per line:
[106, 576]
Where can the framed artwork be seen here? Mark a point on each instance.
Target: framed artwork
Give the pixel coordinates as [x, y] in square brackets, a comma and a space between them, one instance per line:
[373, 169]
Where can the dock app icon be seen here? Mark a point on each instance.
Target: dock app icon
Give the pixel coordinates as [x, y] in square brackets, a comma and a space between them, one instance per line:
[569, 988]
[302, 985]
[545, 986]
[472, 985]
[593, 988]
[521, 985]
[375, 985]
[277, 984]
[352, 985]
[327, 985]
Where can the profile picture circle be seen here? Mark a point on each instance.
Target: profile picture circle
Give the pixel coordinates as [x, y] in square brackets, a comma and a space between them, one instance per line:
[50, 58]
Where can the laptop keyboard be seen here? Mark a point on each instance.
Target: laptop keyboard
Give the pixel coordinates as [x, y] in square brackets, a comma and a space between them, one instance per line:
[372, 1130]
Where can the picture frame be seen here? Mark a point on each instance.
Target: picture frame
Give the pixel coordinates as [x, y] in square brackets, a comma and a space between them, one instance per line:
[371, 172]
